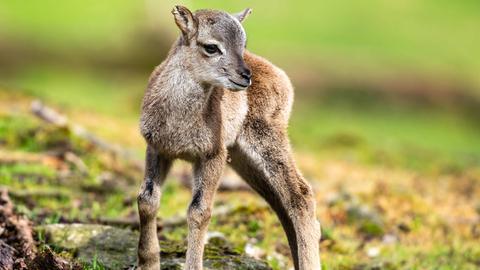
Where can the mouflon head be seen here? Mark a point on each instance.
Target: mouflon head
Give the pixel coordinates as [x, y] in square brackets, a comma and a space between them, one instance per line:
[215, 43]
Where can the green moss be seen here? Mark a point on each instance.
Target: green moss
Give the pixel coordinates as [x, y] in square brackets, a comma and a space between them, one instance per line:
[114, 248]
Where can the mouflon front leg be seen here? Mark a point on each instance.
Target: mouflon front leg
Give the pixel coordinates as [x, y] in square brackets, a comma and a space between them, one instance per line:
[156, 169]
[262, 157]
[207, 174]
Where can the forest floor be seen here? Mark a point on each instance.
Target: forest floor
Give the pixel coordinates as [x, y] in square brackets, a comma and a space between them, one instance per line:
[388, 214]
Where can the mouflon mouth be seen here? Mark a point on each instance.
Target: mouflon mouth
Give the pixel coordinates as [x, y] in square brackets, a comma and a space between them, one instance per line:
[241, 85]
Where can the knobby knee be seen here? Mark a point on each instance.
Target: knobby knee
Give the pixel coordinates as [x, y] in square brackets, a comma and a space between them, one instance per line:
[303, 199]
[198, 216]
[148, 203]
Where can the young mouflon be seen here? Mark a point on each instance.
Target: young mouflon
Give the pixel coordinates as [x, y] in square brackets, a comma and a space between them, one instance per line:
[211, 99]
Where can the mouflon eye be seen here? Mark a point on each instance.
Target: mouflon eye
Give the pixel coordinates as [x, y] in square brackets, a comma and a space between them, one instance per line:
[211, 48]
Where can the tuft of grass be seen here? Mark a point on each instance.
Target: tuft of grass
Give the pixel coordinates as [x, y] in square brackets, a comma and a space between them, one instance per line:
[94, 265]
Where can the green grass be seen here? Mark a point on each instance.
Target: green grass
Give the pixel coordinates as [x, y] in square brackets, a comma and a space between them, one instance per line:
[441, 256]
[94, 265]
[412, 137]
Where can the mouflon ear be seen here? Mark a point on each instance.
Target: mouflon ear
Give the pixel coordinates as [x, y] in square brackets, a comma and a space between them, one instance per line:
[241, 16]
[185, 21]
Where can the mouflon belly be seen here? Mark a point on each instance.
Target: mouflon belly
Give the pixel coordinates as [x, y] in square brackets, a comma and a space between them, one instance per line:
[180, 138]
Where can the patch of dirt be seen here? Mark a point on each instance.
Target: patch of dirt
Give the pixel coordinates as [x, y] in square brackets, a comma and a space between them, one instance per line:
[17, 247]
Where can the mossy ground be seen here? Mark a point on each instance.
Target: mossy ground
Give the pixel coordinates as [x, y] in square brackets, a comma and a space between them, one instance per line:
[377, 211]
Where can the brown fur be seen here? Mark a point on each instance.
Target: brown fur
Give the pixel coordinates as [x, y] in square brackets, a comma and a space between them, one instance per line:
[200, 116]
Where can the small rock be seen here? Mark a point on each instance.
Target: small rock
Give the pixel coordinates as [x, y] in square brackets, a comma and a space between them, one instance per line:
[253, 250]
[116, 248]
[373, 252]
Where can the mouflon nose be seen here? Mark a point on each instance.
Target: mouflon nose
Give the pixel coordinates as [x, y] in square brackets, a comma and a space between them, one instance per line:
[245, 73]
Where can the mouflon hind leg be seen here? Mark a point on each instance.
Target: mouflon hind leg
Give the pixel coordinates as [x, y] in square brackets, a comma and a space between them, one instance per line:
[262, 157]
[156, 169]
[207, 174]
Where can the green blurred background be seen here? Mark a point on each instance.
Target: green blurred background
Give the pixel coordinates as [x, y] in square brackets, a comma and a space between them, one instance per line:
[392, 74]
[387, 109]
